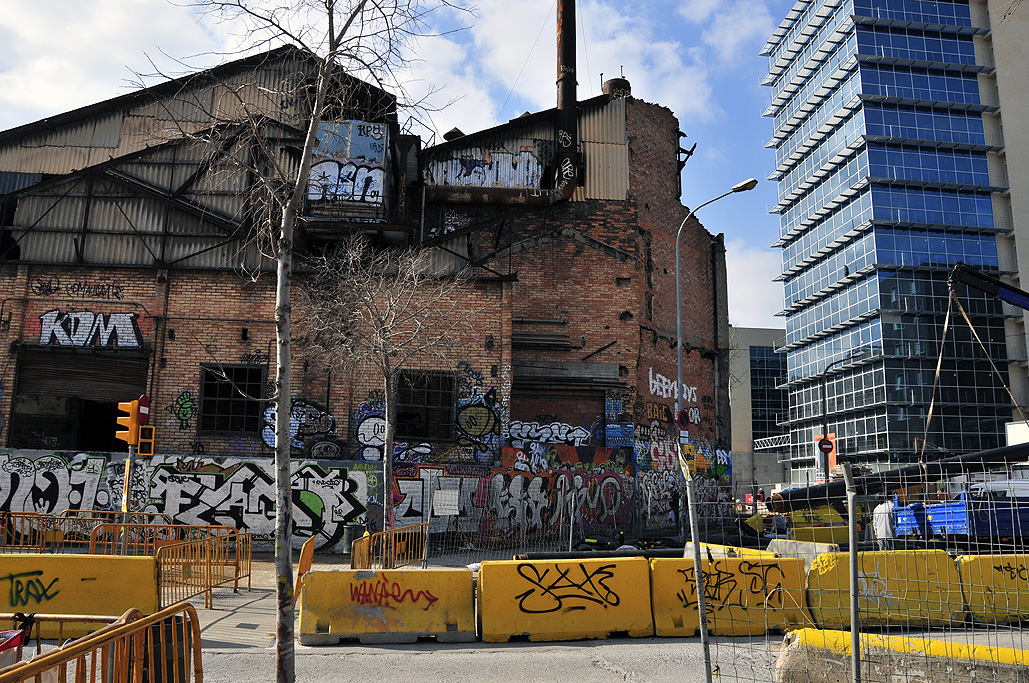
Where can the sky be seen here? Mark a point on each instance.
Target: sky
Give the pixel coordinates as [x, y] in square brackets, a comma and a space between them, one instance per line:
[699, 58]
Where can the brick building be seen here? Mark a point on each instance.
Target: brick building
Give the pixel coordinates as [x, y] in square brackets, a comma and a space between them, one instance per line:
[128, 268]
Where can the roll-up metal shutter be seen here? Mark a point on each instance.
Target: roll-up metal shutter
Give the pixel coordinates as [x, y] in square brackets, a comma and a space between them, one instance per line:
[92, 376]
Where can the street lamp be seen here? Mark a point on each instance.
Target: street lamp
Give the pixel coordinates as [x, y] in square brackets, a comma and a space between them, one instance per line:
[739, 187]
[825, 403]
[690, 484]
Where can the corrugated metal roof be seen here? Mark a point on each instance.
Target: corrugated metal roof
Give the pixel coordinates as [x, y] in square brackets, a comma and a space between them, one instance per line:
[9, 181]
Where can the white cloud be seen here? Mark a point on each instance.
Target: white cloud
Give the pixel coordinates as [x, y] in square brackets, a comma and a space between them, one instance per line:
[735, 29]
[753, 297]
[698, 11]
[64, 54]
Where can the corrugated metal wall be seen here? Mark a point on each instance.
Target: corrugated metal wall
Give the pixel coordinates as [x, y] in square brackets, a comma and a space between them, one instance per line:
[141, 124]
[517, 158]
[605, 152]
[103, 221]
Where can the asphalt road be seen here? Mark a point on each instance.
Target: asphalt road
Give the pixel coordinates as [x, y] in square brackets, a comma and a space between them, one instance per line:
[647, 659]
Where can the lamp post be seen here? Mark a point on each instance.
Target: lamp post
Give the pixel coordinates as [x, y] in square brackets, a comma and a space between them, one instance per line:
[739, 187]
[825, 403]
[691, 501]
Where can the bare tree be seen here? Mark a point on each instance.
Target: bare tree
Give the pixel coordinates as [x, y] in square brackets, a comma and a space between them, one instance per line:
[1009, 10]
[268, 134]
[387, 309]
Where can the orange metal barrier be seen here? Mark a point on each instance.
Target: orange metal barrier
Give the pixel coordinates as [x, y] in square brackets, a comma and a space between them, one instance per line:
[303, 566]
[161, 647]
[244, 558]
[59, 621]
[72, 528]
[134, 539]
[184, 570]
[21, 532]
[391, 549]
[118, 516]
[225, 555]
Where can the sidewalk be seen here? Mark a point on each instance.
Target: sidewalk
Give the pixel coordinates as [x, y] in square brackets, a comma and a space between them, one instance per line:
[247, 619]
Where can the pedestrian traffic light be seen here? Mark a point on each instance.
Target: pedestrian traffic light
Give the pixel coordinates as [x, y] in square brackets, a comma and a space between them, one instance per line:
[146, 440]
[130, 433]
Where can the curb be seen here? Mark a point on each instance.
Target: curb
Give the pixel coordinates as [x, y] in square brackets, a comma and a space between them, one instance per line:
[821, 656]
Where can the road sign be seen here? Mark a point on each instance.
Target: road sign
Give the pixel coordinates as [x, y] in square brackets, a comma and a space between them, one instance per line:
[683, 420]
[143, 411]
[826, 445]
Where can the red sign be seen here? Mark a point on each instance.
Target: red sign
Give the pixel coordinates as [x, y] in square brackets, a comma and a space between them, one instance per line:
[143, 412]
[826, 445]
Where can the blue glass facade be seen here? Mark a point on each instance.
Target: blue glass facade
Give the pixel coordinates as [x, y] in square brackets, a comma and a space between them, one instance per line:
[884, 183]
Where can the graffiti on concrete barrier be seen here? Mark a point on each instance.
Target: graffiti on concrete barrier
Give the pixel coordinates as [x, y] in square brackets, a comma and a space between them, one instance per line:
[556, 588]
[382, 592]
[732, 583]
[27, 588]
[85, 328]
[1016, 570]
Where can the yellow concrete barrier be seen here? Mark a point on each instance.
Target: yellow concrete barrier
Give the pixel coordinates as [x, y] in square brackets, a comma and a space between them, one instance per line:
[817, 656]
[896, 587]
[717, 550]
[744, 596]
[996, 587]
[77, 584]
[564, 599]
[387, 606]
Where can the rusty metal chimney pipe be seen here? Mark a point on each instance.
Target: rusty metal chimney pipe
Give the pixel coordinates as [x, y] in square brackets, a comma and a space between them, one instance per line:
[566, 134]
[566, 129]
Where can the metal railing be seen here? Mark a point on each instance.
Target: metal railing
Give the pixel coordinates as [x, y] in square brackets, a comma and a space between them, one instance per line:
[21, 532]
[228, 560]
[185, 570]
[164, 646]
[391, 549]
[55, 624]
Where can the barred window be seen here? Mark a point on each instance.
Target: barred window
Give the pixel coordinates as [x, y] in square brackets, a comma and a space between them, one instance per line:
[224, 402]
[425, 405]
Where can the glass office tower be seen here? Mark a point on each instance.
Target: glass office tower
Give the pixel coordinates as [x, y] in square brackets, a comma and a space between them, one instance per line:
[884, 183]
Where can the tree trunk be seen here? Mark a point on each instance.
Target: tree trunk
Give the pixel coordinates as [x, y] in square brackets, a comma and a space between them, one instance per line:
[284, 666]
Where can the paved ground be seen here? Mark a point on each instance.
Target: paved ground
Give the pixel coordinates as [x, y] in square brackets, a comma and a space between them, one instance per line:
[238, 637]
[247, 619]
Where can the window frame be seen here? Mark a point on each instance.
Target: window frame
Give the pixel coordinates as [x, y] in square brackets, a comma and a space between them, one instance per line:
[445, 405]
[206, 401]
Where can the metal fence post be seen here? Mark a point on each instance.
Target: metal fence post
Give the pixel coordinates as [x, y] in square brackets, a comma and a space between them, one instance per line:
[698, 571]
[855, 607]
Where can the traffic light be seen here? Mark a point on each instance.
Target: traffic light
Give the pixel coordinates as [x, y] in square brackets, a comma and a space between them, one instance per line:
[130, 422]
[146, 440]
